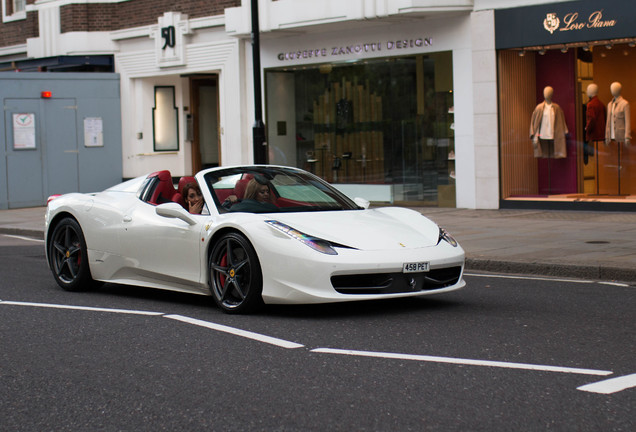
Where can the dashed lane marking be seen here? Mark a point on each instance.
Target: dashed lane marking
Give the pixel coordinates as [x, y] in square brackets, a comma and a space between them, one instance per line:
[608, 386]
[24, 238]
[83, 308]
[461, 361]
[238, 332]
[612, 385]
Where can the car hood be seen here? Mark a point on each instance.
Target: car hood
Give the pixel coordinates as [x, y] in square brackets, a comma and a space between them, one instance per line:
[390, 228]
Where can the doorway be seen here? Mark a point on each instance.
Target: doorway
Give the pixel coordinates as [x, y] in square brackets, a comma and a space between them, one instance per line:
[205, 122]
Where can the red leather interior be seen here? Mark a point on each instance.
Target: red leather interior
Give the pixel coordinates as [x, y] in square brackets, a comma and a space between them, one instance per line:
[241, 185]
[178, 197]
[165, 190]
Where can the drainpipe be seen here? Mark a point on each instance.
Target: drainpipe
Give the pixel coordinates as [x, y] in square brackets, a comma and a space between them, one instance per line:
[258, 130]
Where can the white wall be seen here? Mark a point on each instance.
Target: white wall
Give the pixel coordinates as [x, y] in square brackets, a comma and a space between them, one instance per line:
[485, 135]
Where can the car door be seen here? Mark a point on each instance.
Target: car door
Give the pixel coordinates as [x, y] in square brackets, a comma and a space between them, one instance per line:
[160, 250]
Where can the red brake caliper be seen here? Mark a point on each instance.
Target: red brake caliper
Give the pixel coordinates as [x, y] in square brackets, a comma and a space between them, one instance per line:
[223, 263]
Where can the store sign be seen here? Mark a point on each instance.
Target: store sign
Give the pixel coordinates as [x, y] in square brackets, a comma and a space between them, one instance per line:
[359, 49]
[566, 22]
[571, 22]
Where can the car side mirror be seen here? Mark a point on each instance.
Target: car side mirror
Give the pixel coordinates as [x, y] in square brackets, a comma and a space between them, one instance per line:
[361, 202]
[174, 210]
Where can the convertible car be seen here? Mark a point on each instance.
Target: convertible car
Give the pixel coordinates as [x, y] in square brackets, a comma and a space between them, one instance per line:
[266, 234]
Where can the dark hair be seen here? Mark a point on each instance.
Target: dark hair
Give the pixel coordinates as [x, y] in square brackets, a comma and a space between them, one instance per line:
[187, 187]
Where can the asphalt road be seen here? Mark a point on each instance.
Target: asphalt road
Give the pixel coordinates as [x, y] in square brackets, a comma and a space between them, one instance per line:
[502, 354]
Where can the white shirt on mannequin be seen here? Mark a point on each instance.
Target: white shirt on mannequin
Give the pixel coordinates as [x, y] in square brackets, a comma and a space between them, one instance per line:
[547, 124]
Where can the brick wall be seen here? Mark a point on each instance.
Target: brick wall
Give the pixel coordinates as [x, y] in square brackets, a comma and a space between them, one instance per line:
[110, 16]
[134, 13]
[17, 32]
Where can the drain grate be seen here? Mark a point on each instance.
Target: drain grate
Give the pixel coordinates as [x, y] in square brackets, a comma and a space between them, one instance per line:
[597, 242]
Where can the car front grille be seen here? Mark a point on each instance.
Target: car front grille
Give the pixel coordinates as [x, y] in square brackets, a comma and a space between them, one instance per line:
[393, 283]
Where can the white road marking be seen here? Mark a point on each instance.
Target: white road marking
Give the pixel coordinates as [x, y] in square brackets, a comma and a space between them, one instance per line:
[618, 284]
[24, 238]
[460, 361]
[238, 332]
[612, 385]
[581, 281]
[82, 308]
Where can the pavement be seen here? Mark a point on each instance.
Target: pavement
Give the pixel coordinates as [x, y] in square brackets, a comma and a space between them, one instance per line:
[573, 244]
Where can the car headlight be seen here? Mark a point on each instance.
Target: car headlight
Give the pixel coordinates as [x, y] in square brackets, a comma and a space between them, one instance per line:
[444, 235]
[317, 244]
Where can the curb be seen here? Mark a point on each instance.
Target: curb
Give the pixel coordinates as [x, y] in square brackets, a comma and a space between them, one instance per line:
[600, 272]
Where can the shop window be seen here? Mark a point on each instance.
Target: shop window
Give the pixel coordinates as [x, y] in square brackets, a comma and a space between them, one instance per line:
[590, 169]
[165, 123]
[379, 125]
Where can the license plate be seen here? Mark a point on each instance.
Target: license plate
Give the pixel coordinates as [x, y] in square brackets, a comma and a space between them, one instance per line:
[416, 267]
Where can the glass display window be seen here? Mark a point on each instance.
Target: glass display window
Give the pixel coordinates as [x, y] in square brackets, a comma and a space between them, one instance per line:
[381, 125]
[580, 157]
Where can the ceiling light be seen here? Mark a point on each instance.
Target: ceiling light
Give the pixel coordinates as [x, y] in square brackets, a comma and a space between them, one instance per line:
[522, 53]
[542, 52]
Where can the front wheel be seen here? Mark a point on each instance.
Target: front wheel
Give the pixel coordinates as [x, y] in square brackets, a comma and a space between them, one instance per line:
[236, 280]
[68, 257]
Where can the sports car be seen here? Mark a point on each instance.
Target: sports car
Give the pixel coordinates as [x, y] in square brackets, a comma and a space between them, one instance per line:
[265, 234]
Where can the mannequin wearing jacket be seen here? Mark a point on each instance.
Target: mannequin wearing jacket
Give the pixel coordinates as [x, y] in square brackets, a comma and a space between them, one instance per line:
[618, 127]
[595, 116]
[548, 128]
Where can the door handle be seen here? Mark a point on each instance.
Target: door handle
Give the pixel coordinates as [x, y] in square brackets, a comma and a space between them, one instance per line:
[127, 219]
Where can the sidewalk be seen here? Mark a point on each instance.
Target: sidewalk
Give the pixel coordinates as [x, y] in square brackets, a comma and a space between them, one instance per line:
[586, 245]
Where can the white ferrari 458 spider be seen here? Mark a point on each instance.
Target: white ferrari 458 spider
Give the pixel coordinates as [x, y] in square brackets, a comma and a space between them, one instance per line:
[246, 236]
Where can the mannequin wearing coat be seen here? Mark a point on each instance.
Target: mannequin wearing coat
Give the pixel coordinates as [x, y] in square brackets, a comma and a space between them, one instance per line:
[618, 127]
[548, 128]
[595, 116]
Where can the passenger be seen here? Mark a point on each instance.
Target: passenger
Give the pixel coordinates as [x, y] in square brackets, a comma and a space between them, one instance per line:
[258, 197]
[194, 199]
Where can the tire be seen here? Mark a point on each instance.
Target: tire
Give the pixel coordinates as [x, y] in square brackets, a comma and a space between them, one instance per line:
[236, 280]
[68, 257]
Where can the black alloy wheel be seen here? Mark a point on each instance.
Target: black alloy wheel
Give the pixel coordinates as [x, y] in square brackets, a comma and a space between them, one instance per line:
[68, 257]
[236, 280]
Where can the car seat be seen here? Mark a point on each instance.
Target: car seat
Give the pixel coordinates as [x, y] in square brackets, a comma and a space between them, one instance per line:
[178, 197]
[241, 185]
[164, 191]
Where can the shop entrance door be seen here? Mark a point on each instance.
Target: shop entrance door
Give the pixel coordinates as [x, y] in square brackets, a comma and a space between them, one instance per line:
[205, 122]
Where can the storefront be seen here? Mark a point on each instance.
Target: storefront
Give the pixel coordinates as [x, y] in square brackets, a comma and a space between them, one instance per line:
[372, 108]
[585, 52]
[183, 93]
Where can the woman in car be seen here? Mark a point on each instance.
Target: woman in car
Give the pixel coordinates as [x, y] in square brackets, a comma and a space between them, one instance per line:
[258, 197]
[194, 199]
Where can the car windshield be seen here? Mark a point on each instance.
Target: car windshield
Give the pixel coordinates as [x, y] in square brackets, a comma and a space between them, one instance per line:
[273, 189]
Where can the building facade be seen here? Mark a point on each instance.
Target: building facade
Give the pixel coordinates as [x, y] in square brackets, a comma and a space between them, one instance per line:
[397, 101]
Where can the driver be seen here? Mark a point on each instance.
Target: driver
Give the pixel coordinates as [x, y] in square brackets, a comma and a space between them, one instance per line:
[258, 197]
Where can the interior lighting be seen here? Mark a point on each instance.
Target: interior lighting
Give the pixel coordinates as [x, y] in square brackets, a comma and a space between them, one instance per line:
[632, 44]
[522, 53]
[608, 46]
[564, 50]
[542, 52]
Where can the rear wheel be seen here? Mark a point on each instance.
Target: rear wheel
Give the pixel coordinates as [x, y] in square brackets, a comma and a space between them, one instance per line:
[69, 260]
[236, 280]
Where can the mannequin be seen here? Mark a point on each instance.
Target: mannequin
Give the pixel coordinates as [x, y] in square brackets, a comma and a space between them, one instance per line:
[548, 128]
[618, 127]
[595, 119]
